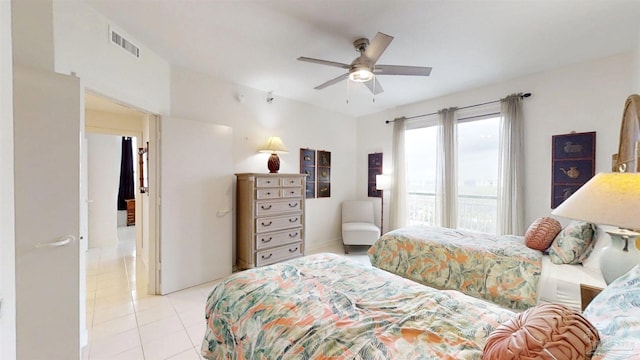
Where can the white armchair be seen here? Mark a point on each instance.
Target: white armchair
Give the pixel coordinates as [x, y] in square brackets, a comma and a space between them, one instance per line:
[358, 225]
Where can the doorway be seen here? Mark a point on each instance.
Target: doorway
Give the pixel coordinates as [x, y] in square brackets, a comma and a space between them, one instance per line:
[122, 262]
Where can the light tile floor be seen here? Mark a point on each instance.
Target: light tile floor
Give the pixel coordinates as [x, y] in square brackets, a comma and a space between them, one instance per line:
[126, 323]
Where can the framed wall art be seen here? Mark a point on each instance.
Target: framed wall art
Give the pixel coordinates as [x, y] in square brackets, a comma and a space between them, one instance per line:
[323, 173]
[375, 168]
[573, 164]
[308, 167]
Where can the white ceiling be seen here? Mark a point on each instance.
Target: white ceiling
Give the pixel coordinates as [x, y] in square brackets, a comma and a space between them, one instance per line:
[468, 43]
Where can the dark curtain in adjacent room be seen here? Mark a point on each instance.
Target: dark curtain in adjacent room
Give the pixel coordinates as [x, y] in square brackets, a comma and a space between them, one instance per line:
[126, 191]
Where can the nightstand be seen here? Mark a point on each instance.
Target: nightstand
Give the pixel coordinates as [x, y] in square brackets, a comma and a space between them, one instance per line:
[587, 293]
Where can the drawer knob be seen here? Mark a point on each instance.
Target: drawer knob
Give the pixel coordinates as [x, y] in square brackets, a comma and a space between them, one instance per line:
[292, 220]
[293, 250]
[292, 235]
[265, 207]
[269, 223]
[266, 240]
[293, 205]
[268, 193]
[270, 255]
[292, 192]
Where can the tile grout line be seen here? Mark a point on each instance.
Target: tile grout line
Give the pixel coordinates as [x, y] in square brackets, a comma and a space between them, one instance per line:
[135, 309]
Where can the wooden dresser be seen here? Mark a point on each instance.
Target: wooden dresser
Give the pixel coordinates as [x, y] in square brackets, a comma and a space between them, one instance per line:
[131, 212]
[269, 218]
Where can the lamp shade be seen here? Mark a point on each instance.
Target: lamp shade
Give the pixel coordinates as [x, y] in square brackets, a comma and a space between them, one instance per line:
[606, 199]
[361, 74]
[383, 182]
[273, 145]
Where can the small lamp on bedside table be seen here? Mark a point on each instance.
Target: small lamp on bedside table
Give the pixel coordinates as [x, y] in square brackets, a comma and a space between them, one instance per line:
[274, 146]
[610, 199]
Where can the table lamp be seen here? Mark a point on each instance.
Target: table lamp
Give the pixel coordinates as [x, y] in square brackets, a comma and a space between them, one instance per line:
[274, 146]
[610, 199]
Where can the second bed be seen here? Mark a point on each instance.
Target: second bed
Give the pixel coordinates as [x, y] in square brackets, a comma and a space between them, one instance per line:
[498, 268]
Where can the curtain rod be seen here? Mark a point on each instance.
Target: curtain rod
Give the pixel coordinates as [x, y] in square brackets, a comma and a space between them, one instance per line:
[522, 96]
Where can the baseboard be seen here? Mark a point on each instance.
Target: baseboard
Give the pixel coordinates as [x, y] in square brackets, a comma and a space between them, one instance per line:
[320, 246]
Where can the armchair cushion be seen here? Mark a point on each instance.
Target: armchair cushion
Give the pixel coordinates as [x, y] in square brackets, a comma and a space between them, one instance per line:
[358, 226]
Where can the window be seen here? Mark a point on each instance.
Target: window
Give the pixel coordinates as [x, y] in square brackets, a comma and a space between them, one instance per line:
[477, 174]
[420, 150]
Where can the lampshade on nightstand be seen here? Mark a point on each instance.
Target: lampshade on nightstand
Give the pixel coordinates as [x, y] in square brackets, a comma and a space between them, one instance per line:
[610, 199]
[274, 146]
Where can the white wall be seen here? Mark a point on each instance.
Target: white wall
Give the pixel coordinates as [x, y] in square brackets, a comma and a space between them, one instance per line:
[636, 67]
[104, 179]
[7, 235]
[198, 97]
[584, 97]
[32, 32]
[81, 37]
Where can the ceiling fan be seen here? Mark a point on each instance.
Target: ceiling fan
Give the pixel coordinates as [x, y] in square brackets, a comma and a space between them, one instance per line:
[364, 69]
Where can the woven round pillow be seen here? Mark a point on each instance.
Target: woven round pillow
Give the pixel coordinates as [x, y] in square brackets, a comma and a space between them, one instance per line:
[547, 331]
[541, 233]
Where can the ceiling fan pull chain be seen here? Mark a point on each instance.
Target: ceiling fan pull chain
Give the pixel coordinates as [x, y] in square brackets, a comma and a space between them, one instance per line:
[348, 91]
[374, 88]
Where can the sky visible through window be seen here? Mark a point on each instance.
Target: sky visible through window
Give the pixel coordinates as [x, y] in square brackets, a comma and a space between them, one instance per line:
[478, 143]
[477, 157]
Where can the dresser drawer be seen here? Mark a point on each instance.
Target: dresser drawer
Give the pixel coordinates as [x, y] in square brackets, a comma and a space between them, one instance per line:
[278, 223]
[291, 181]
[275, 255]
[291, 192]
[268, 208]
[267, 182]
[278, 238]
[267, 194]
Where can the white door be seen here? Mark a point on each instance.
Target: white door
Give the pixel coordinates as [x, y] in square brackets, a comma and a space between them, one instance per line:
[196, 195]
[84, 238]
[47, 119]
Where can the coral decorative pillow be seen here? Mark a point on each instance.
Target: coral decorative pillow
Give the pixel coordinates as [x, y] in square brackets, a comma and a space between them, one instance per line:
[541, 233]
[573, 244]
[548, 331]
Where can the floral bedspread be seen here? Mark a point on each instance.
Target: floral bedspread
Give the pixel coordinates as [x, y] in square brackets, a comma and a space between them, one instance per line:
[615, 312]
[328, 307]
[501, 269]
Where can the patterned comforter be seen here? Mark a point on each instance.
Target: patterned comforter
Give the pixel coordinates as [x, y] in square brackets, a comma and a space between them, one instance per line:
[501, 269]
[328, 307]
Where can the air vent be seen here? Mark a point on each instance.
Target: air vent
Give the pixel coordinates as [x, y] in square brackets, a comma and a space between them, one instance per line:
[119, 41]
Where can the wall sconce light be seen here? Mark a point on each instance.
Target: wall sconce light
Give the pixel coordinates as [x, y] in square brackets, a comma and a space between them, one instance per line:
[274, 146]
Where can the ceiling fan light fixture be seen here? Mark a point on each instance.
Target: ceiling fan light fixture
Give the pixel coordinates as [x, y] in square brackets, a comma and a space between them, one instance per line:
[361, 75]
[363, 69]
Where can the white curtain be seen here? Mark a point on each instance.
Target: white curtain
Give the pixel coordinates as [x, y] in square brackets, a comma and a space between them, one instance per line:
[398, 203]
[511, 167]
[446, 166]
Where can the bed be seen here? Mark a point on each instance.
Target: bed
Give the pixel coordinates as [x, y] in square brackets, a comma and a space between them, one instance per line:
[326, 306]
[498, 268]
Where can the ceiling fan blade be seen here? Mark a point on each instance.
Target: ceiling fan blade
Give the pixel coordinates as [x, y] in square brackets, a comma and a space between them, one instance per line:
[323, 62]
[375, 90]
[377, 46]
[402, 70]
[332, 81]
